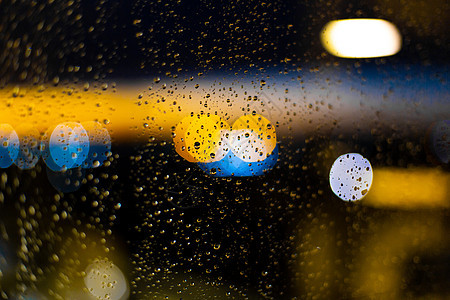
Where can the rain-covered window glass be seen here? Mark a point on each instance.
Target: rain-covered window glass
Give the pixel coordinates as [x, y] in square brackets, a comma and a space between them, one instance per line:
[195, 149]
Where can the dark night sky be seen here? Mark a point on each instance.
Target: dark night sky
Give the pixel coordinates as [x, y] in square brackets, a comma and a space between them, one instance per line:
[134, 38]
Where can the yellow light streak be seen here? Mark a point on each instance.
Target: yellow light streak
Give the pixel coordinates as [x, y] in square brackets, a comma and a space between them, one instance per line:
[409, 188]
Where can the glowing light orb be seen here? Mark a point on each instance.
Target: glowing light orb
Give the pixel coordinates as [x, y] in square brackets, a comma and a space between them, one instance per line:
[52, 164]
[179, 138]
[68, 145]
[232, 166]
[222, 168]
[99, 144]
[351, 177]
[104, 280]
[9, 145]
[359, 38]
[29, 151]
[440, 139]
[252, 138]
[204, 138]
[248, 149]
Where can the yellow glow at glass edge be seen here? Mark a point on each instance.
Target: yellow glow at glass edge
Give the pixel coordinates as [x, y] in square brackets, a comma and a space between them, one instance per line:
[361, 38]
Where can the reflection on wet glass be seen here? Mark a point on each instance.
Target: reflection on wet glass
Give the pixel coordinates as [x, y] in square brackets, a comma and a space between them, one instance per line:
[236, 203]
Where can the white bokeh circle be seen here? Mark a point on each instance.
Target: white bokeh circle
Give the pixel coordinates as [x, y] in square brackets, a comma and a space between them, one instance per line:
[249, 146]
[104, 280]
[351, 177]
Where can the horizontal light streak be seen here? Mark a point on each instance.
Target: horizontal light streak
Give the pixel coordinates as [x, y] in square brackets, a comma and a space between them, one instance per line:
[297, 103]
[409, 188]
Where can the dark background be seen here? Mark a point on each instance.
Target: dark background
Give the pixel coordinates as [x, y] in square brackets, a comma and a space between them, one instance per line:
[138, 38]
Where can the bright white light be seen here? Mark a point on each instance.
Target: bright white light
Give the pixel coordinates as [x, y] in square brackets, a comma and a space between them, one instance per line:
[351, 176]
[252, 138]
[358, 38]
[249, 146]
[104, 280]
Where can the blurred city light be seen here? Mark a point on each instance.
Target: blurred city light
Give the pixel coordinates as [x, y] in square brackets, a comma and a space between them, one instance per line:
[360, 38]
[200, 138]
[104, 280]
[409, 188]
[351, 176]
[252, 138]
[233, 166]
[248, 148]
[67, 147]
